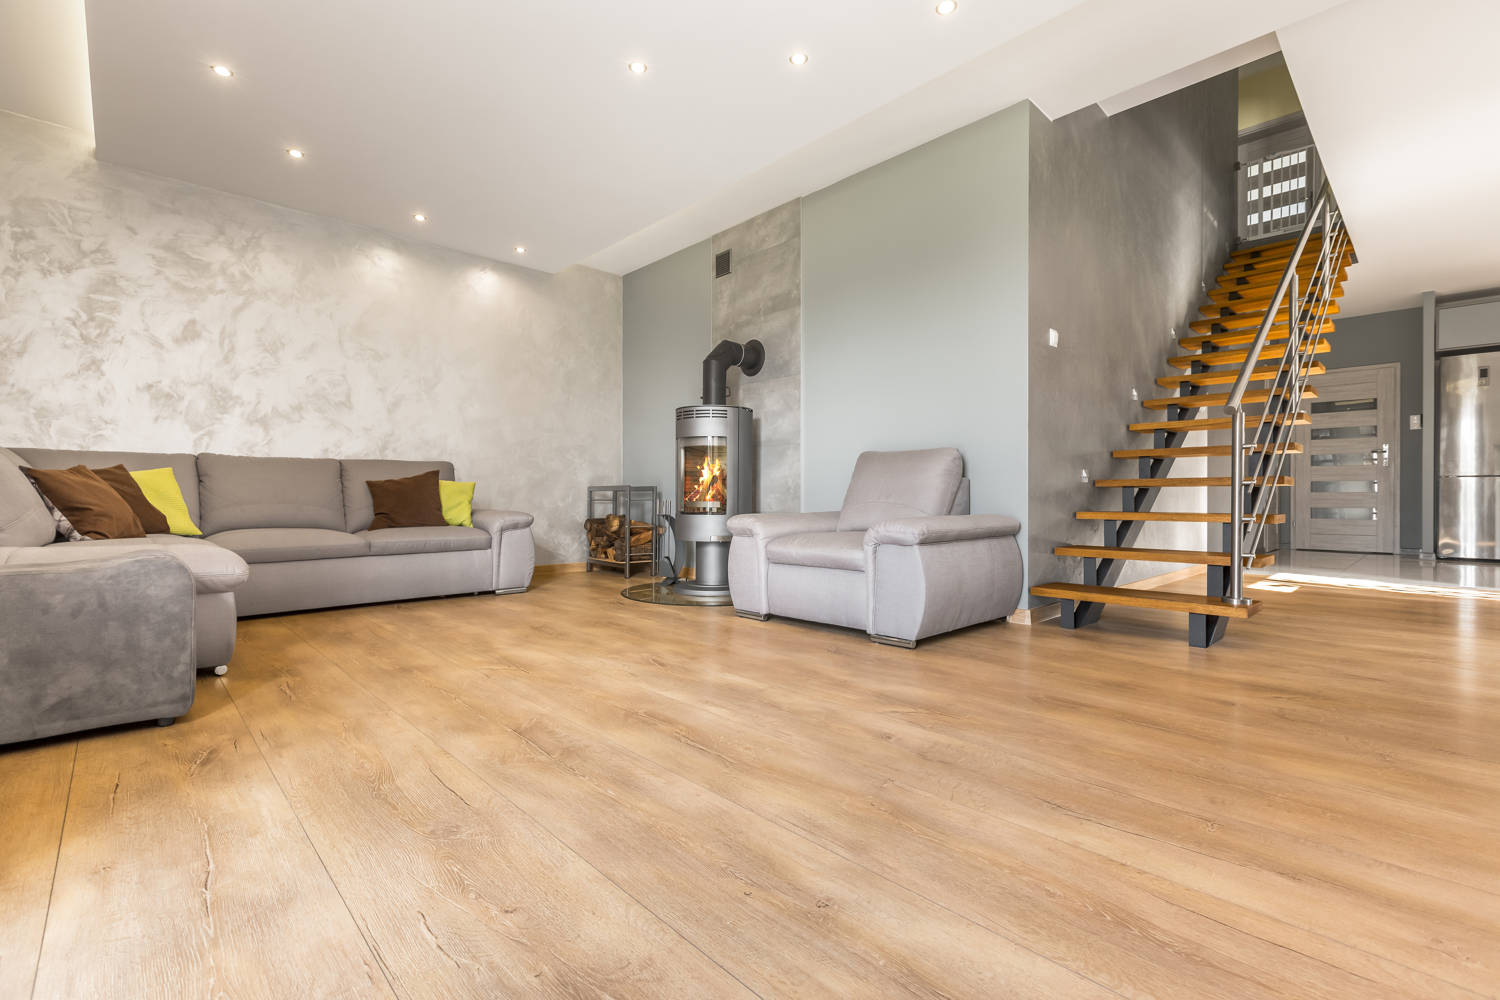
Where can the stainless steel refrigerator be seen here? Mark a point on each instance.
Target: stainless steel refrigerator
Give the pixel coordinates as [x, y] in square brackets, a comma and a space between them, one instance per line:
[1469, 456]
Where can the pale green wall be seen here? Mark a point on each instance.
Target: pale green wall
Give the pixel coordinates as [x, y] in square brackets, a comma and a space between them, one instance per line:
[914, 298]
[668, 312]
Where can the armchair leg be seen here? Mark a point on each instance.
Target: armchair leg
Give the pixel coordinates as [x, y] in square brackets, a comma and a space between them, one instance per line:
[752, 615]
[165, 722]
[221, 670]
[890, 640]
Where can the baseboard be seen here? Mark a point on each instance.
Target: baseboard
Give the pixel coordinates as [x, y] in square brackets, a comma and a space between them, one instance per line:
[557, 569]
[1035, 616]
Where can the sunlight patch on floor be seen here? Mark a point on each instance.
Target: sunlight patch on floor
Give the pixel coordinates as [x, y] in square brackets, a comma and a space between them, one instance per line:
[1388, 586]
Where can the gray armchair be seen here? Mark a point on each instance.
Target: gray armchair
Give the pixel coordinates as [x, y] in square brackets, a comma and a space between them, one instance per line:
[903, 559]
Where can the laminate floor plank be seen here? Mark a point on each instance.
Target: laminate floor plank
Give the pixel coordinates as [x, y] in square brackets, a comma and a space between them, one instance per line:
[459, 893]
[183, 873]
[785, 916]
[34, 783]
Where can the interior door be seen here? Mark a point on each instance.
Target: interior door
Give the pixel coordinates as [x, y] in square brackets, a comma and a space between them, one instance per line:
[1348, 475]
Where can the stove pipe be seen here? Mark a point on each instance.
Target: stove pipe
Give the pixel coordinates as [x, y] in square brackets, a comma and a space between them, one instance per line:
[749, 356]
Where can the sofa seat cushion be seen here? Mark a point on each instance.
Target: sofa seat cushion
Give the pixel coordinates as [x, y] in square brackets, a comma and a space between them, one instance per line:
[825, 549]
[273, 545]
[215, 570]
[405, 541]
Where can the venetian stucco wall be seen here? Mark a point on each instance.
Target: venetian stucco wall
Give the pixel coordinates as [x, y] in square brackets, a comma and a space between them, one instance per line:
[145, 314]
[761, 299]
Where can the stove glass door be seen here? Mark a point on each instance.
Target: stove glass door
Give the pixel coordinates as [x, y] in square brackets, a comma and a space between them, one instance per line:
[704, 467]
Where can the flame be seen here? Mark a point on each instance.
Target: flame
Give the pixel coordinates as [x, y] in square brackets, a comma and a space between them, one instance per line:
[710, 487]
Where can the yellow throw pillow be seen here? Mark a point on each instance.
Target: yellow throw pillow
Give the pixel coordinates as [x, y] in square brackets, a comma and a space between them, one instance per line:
[458, 502]
[163, 493]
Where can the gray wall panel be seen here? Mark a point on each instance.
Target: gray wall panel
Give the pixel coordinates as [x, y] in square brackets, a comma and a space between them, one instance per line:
[1131, 220]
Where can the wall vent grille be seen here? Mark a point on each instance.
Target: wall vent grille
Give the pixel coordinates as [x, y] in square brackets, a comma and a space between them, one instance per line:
[721, 263]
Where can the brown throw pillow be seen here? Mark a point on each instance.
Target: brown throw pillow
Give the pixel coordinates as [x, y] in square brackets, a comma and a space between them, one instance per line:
[90, 505]
[413, 502]
[153, 521]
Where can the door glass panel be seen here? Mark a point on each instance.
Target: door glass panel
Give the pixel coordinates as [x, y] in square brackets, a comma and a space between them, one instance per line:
[1333, 433]
[1346, 405]
[1342, 513]
[1345, 486]
[1345, 458]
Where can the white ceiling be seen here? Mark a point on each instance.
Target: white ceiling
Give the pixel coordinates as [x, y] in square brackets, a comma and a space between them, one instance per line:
[516, 123]
[1403, 100]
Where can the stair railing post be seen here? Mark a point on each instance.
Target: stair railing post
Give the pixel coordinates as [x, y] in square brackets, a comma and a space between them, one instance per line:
[1237, 506]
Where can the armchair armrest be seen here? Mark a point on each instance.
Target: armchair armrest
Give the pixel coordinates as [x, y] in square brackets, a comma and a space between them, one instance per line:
[764, 527]
[512, 549]
[747, 552]
[943, 528]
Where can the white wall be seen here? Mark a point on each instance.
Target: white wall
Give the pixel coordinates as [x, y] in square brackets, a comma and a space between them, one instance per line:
[145, 314]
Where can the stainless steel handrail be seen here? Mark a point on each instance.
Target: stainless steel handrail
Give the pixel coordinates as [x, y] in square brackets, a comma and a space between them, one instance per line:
[1286, 386]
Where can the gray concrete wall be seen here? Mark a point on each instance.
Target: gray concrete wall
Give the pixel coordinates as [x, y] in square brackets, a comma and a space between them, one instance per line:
[668, 318]
[914, 313]
[1131, 220]
[146, 314]
[761, 299]
[1386, 338]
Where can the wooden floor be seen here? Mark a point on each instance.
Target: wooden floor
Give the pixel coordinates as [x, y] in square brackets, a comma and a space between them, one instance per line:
[563, 794]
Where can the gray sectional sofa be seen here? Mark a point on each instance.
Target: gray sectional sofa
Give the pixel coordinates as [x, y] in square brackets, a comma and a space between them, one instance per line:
[279, 534]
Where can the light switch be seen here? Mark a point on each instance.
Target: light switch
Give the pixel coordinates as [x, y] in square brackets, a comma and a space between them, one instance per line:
[1414, 422]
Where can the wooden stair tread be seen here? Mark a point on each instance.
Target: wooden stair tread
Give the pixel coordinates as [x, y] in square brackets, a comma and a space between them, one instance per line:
[1178, 481]
[1241, 321]
[1278, 333]
[1259, 278]
[1256, 303]
[1195, 451]
[1218, 359]
[1175, 516]
[1276, 259]
[1260, 374]
[1209, 423]
[1196, 557]
[1156, 600]
[1244, 298]
[1217, 399]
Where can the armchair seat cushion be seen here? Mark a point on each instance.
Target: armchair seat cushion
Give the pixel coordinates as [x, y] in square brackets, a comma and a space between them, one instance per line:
[274, 545]
[823, 549]
[403, 541]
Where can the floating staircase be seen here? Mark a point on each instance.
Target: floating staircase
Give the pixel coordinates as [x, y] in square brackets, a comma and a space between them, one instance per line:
[1263, 326]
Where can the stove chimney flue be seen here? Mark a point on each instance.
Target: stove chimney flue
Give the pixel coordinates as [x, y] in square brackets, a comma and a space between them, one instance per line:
[749, 357]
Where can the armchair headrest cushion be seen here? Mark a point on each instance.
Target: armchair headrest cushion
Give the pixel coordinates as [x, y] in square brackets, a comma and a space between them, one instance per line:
[891, 484]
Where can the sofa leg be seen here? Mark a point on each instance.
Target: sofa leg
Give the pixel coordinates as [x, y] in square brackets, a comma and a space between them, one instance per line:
[221, 670]
[513, 590]
[165, 722]
[752, 615]
[890, 640]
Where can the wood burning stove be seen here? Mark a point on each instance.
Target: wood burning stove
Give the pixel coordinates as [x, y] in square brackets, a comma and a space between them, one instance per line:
[715, 467]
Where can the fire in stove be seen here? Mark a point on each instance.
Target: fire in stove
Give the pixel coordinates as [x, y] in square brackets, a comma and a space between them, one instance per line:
[710, 485]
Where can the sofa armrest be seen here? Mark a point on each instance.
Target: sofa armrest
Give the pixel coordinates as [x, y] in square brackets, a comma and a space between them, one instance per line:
[94, 642]
[764, 527]
[943, 528]
[512, 548]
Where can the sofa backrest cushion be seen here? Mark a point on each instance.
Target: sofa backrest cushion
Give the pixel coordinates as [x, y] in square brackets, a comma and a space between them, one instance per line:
[889, 484]
[240, 492]
[24, 518]
[358, 471]
[183, 466]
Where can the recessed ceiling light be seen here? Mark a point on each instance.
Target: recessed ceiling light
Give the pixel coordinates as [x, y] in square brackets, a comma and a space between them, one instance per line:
[221, 70]
[296, 154]
[947, 7]
[520, 249]
[797, 58]
[418, 217]
[636, 67]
